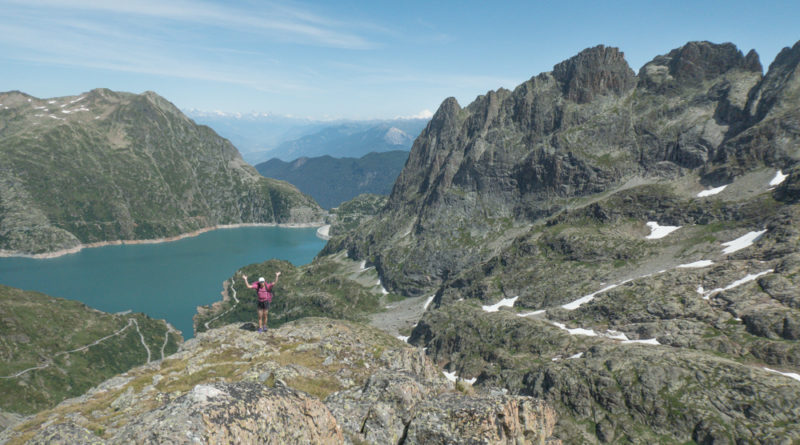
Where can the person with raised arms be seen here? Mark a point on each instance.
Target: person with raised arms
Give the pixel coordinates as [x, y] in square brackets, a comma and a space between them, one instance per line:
[264, 295]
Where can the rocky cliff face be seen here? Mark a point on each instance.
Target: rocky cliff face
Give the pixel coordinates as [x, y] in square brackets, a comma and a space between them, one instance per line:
[109, 166]
[590, 126]
[311, 381]
[621, 246]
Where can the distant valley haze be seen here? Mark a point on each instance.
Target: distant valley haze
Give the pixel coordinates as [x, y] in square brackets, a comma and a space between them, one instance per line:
[262, 137]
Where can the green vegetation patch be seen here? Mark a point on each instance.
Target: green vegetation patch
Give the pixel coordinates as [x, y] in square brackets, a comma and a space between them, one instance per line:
[77, 348]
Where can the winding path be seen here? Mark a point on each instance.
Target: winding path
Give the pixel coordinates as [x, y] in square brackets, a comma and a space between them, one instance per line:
[49, 360]
[170, 330]
[146, 348]
[231, 287]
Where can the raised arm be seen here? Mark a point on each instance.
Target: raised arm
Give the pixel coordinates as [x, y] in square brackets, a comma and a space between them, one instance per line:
[277, 274]
[244, 277]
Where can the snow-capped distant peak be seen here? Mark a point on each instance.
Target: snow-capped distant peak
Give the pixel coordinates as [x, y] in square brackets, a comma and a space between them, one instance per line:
[396, 136]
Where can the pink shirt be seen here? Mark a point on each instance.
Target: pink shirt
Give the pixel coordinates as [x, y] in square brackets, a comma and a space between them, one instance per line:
[264, 293]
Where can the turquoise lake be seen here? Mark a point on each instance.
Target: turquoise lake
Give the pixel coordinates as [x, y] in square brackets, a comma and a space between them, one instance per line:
[166, 280]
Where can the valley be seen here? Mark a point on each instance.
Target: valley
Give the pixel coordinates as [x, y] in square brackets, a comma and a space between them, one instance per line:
[596, 256]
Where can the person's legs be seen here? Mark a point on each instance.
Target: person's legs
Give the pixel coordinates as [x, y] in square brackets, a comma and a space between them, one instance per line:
[260, 319]
[266, 316]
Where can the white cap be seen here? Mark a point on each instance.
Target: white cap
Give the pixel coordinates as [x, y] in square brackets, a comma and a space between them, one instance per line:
[261, 279]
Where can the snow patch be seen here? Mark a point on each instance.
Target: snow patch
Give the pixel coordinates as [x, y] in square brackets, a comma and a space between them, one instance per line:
[778, 179]
[507, 302]
[578, 355]
[787, 374]
[453, 378]
[403, 338]
[696, 264]
[528, 314]
[743, 241]
[428, 302]
[711, 192]
[616, 335]
[610, 334]
[576, 331]
[737, 283]
[649, 341]
[657, 231]
[587, 298]
[383, 290]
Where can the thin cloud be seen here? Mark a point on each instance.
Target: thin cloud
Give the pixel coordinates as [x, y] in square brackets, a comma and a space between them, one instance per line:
[78, 50]
[281, 22]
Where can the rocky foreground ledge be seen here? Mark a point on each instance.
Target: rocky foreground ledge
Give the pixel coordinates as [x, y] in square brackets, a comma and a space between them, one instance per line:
[311, 381]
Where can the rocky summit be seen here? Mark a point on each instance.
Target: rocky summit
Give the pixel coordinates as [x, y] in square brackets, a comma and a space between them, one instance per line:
[311, 381]
[476, 175]
[621, 245]
[107, 166]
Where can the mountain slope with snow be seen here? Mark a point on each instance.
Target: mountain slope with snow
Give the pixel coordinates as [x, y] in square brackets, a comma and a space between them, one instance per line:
[623, 246]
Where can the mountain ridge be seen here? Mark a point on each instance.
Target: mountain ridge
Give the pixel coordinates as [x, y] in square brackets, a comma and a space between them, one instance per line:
[623, 247]
[108, 166]
[541, 146]
[332, 181]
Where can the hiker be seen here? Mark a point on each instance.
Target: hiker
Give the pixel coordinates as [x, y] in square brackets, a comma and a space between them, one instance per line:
[264, 293]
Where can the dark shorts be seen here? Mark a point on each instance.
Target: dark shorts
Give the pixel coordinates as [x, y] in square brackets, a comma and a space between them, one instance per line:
[263, 304]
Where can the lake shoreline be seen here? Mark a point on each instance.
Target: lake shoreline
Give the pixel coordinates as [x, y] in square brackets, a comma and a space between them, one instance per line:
[78, 248]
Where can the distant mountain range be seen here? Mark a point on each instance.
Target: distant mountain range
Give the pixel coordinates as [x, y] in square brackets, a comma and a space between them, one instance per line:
[107, 166]
[331, 181]
[352, 140]
[260, 137]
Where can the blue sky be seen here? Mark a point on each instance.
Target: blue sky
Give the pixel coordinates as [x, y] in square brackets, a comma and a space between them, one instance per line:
[348, 59]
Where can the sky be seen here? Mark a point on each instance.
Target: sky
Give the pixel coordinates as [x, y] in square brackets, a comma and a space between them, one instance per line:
[348, 59]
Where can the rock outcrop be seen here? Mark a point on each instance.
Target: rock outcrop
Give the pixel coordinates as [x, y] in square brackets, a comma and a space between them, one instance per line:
[311, 381]
[241, 412]
[594, 72]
